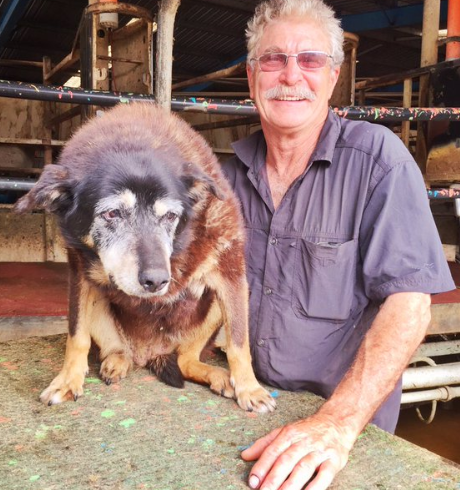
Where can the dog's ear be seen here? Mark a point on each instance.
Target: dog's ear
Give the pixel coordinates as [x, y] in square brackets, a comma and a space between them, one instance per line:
[52, 192]
[198, 183]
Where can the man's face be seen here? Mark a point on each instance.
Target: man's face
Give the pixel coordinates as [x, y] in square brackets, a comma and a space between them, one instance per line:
[292, 36]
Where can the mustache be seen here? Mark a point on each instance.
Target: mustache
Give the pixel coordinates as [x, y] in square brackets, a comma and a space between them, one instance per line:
[280, 91]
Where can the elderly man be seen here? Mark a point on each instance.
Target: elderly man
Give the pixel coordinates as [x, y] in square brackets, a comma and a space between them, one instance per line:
[342, 250]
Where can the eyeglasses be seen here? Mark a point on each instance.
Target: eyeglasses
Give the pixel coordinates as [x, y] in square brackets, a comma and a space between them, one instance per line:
[307, 60]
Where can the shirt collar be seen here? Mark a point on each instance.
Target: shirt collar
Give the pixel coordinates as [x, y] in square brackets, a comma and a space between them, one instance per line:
[253, 149]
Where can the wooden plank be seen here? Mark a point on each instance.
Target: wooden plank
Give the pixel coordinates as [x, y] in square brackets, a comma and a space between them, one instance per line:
[31, 141]
[407, 102]
[395, 78]
[445, 318]
[225, 72]
[21, 327]
[143, 434]
[163, 69]
[68, 62]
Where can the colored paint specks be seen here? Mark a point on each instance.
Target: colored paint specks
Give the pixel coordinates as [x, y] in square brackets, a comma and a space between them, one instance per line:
[107, 414]
[208, 443]
[127, 423]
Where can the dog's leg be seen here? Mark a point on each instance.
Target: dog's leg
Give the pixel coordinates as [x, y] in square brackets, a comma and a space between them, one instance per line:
[68, 384]
[89, 317]
[189, 352]
[115, 356]
[233, 297]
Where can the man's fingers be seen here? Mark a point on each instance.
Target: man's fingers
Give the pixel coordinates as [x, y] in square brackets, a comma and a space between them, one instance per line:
[300, 473]
[325, 476]
[253, 452]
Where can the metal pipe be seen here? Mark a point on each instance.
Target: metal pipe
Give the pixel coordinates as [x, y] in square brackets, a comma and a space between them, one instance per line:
[241, 107]
[11, 184]
[431, 376]
[433, 349]
[442, 394]
[445, 193]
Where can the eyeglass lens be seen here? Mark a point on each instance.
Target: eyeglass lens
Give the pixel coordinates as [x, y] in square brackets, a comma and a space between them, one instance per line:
[307, 60]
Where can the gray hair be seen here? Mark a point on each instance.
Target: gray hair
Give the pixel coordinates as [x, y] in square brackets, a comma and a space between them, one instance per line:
[315, 10]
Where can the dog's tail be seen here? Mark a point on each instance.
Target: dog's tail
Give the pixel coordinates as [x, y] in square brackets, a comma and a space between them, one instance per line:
[166, 368]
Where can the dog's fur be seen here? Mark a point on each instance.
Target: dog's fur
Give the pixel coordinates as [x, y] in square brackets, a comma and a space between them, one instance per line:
[156, 254]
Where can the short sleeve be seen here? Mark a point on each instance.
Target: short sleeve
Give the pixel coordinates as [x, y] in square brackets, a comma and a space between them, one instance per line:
[400, 246]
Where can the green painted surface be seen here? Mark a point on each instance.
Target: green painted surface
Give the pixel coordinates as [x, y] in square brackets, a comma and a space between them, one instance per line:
[141, 434]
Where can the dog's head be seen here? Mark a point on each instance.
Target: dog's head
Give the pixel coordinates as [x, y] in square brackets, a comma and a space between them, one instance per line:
[128, 212]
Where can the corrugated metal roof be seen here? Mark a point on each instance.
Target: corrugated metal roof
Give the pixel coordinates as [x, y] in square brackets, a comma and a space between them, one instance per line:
[209, 35]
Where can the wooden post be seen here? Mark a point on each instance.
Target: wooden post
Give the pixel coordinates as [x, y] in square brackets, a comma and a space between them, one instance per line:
[49, 112]
[165, 37]
[407, 102]
[431, 15]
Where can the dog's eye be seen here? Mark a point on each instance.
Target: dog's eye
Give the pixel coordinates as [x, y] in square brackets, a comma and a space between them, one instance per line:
[111, 214]
[170, 216]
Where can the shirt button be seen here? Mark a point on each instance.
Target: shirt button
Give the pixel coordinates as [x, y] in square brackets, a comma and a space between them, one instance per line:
[268, 291]
[261, 342]
[273, 241]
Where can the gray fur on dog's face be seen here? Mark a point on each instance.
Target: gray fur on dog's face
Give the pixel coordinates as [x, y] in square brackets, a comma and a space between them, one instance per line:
[142, 235]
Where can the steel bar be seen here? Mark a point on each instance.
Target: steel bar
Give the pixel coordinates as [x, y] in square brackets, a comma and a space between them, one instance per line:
[241, 107]
[442, 394]
[431, 376]
[444, 193]
[11, 184]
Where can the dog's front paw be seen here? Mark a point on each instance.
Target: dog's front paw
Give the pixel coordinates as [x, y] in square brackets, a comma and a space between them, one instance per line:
[67, 385]
[254, 399]
[114, 368]
[219, 382]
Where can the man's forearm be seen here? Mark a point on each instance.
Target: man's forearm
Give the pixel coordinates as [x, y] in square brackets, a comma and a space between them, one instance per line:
[396, 332]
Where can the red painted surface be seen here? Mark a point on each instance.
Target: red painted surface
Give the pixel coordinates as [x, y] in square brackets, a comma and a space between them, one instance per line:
[450, 296]
[33, 289]
[40, 289]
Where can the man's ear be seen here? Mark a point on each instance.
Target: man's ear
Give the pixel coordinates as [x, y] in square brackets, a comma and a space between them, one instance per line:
[335, 73]
[52, 192]
[250, 73]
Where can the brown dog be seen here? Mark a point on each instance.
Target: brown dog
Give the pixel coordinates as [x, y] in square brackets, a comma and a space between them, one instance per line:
[156, 254]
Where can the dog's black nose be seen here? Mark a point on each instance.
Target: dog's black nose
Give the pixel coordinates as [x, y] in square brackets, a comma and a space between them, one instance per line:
[153, 280]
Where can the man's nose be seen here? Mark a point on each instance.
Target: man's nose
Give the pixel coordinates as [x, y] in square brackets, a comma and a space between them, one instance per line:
[291, 73]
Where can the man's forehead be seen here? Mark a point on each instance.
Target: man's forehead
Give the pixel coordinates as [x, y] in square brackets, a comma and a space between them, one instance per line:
[293, 33]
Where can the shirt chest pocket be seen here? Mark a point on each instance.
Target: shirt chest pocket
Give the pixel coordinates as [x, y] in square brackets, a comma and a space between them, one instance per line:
[324, 279]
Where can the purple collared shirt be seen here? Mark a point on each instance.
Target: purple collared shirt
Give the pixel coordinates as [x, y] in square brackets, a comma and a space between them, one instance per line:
[354, 228]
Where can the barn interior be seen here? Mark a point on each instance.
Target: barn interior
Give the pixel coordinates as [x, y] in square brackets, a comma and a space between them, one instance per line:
[63, 61]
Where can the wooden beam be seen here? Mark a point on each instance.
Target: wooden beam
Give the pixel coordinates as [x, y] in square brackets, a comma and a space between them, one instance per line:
[165, 38]
[227, 123]
[226, 72]
[238, 6]
[37, 142]
[22, 170]
[34, 64]
[395, 78]
[69, 61]
[431, 16]
[407, 102]
[65, 116]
